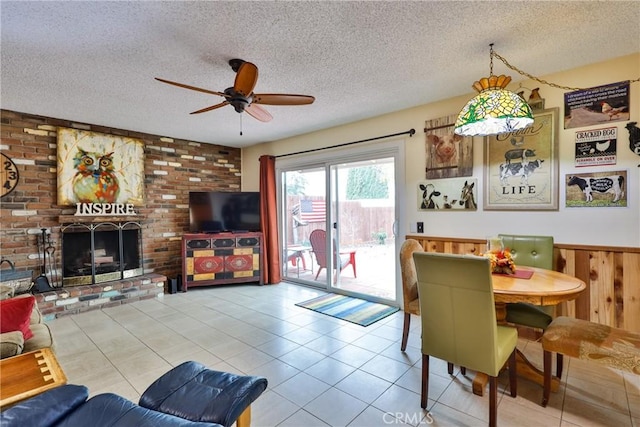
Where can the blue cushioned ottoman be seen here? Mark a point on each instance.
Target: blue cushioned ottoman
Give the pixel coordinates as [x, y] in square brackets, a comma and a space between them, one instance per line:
[193, 392]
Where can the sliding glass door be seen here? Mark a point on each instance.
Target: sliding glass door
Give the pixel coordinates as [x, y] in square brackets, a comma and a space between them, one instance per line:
[363, 209]
[304, 201]
[339, 222]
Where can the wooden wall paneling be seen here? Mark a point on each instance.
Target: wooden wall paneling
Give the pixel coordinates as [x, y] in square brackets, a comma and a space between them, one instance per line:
[618, 290]
[602, 304]
[566, 263]
[454, 248]
[436, 246]
[467, 249]
[631, 292]
[477, 249]
[451, 247]
[582, 271]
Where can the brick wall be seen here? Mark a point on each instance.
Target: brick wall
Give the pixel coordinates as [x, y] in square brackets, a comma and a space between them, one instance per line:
[172, 168]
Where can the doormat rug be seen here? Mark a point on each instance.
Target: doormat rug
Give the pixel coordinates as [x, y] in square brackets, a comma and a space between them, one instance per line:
[351, 309]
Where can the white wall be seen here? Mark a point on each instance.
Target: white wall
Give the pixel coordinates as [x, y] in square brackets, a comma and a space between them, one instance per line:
[596, 226]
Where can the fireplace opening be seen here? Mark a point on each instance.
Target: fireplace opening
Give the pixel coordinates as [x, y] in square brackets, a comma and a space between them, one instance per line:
[101, 252]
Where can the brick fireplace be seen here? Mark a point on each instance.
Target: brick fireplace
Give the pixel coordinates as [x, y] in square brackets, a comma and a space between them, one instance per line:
[101, 266]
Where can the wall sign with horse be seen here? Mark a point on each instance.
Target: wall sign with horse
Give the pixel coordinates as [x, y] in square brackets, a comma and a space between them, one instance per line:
[448, 194]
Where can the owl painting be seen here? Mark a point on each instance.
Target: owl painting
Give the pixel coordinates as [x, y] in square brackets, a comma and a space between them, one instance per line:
[95, 180]
[98, 168]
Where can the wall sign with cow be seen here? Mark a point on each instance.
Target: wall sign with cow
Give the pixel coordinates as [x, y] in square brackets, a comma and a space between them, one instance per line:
[521, 167]
[448, 194]
[602, 189]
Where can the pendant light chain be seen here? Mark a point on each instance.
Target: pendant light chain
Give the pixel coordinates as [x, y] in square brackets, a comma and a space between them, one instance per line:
[524, 73]
[491, 53]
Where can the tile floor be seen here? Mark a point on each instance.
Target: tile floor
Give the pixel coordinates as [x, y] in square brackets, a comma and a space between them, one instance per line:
[321, 371]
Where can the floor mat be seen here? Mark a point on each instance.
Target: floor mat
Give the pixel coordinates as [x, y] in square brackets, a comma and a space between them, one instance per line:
[351, 309]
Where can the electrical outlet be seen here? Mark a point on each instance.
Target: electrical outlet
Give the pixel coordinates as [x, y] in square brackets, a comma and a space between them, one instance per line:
[420, 227]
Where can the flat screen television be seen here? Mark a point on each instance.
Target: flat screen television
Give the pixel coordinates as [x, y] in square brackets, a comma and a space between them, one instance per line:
[217, 211]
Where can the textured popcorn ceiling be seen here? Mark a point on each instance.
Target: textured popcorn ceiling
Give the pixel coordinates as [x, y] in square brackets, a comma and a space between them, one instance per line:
[95, 62]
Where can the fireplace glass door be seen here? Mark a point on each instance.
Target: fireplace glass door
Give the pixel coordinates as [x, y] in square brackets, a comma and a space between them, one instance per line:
[96, 253]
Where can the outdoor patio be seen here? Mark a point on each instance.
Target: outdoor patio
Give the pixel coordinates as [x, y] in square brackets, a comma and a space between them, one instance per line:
[375, 268]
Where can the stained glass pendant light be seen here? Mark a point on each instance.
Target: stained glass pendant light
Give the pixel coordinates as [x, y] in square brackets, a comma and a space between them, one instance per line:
[494, 110]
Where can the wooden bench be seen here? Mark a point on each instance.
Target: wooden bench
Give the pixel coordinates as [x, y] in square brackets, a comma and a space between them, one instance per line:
[582, 339]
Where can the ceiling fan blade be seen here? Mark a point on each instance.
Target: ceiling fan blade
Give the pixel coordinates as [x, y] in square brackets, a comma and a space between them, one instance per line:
[282, 99]
[259, 113]
[213, 107]
[246, 78]
[192, 87]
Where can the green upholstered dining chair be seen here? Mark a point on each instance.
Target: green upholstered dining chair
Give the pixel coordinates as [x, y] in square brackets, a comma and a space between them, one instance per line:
[409, 286]
[459, 320]
[532, 251]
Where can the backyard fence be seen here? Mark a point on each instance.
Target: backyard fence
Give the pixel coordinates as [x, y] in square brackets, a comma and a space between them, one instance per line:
[359, 224]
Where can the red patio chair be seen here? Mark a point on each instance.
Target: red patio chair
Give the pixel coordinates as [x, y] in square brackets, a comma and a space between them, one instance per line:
[318, 239]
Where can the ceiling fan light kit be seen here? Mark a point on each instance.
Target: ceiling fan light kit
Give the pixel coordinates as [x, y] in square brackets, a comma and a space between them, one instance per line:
[241, 96]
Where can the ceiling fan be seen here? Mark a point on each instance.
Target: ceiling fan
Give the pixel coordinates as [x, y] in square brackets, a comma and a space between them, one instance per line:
[241, 95]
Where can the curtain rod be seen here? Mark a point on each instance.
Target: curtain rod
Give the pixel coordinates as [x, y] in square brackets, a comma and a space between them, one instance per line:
[411, 132]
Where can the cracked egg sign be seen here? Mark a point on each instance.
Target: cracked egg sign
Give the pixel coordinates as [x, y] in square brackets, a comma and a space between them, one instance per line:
[596, 147]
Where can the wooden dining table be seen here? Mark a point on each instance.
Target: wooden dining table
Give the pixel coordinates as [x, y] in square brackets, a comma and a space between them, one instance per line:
[543, 287]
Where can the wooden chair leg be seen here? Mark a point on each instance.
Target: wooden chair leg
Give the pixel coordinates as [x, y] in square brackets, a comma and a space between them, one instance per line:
[244, 420]
[547, 377]
[463, 370]
[424, 394]
[513, 375]
[405, 331]
[559, 363]
[493, 401]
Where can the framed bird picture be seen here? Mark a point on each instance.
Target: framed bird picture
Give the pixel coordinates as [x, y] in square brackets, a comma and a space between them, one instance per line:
[99, 168]
[597, 105]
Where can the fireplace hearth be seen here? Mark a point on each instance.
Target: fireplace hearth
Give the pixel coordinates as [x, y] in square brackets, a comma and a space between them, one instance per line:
[101, 252]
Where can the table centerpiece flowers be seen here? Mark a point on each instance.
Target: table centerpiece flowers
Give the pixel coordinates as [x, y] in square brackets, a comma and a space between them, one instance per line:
[501, 261]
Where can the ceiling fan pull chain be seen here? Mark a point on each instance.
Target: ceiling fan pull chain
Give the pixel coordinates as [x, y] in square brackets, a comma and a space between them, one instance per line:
[240, 124]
